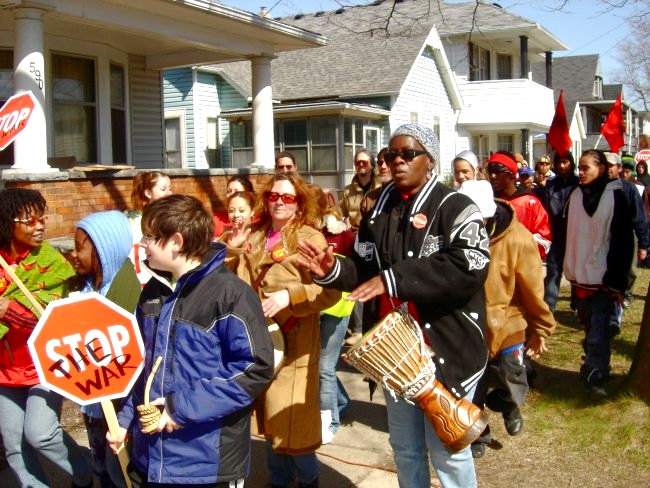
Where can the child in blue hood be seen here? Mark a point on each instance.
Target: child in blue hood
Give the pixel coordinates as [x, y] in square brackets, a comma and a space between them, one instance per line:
[103, 241]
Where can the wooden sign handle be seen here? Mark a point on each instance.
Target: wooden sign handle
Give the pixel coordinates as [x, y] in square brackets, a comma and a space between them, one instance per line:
[114, 429]
[21, 286]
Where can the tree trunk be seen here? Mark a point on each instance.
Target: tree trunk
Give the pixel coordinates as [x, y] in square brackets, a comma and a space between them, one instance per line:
[638, 379]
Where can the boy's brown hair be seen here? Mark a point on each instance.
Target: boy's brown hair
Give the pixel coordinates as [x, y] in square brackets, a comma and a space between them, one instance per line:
[183, 214]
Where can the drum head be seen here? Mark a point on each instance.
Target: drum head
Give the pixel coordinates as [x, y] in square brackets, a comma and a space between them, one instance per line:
[277, 336]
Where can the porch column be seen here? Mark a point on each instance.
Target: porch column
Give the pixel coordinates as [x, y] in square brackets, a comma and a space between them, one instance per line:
[30, 147]
[523, 51]
[549, 69]
[263, 147]
[525, 146]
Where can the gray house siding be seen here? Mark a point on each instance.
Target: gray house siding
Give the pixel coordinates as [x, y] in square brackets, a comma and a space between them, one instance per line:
[229, 98]
[146, 110]
[178, 93]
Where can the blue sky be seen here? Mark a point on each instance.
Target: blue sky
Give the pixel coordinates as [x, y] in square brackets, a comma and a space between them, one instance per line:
[585, 27]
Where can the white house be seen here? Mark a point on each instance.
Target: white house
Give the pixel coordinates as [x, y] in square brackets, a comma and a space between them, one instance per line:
[94, 67]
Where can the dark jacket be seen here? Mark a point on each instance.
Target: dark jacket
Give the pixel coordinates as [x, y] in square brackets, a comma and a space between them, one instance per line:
[217, 357]
[440, 267]
[554, 197]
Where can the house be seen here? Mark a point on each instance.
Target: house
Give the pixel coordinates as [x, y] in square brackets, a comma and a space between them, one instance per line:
[94, 68]
[461, 69]
[588, 101]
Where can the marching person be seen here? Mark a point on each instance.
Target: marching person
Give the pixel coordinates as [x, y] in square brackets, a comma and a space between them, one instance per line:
[423, 244]
[30, 413]
[288, 412]
[217, 356]
[599, 255]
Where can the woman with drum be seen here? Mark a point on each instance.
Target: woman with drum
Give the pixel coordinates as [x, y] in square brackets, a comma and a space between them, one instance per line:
[423, 244]
[288, 412]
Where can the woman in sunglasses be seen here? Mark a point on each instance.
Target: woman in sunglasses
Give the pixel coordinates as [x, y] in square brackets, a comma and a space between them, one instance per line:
[288, 412]
[29, 422]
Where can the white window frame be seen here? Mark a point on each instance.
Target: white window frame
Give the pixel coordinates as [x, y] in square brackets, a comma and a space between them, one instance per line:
[180, 115]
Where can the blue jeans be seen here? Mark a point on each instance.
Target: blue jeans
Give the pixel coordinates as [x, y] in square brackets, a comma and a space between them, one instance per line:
[29, 423]
[412, 437]
[553, 278]
[599, 317]
[284, 467]
[332, 392]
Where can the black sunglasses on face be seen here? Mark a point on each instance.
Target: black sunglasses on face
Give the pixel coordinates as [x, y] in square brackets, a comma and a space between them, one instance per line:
[407, 155]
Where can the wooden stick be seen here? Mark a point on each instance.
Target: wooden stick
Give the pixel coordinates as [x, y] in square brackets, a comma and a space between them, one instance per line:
[114, 429]
[21, 286]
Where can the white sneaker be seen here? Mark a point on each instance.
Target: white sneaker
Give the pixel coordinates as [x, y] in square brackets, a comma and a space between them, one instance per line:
[326, 420]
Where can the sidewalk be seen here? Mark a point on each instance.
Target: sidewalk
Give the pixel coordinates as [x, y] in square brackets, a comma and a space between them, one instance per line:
[359, 455]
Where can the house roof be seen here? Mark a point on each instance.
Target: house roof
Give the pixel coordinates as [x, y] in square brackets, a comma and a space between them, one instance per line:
[372, 50]
[167, 33]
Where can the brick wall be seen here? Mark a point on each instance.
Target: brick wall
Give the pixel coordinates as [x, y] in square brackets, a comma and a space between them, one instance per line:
[73, 197]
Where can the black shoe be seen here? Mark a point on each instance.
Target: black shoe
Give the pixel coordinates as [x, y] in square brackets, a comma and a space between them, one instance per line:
[513, 421]
[478, 450]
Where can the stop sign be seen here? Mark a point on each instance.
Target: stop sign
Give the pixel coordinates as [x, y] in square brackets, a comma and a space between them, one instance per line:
[87, 348]
[642, 155]
[14, 115]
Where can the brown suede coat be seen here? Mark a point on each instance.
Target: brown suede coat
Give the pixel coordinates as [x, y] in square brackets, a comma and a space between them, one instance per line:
[514, 289]
[288, 412]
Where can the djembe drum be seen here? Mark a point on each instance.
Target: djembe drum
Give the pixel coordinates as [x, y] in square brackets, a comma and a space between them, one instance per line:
[393, 353]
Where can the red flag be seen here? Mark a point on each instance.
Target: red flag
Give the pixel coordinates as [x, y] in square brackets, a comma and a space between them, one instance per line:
[613, 128]
[558, 134]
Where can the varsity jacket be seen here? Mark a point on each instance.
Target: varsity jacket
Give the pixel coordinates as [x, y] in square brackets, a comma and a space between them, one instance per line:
[600, 247]
[432, 251]
[217, 357]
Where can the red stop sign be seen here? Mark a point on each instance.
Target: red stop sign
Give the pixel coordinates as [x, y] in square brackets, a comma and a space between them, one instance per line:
[87, 348]
[642, 155]
[14, 116]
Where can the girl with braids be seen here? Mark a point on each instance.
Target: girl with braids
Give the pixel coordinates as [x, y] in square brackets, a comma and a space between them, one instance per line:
[101, 258]
[267, 259]
[31, 413]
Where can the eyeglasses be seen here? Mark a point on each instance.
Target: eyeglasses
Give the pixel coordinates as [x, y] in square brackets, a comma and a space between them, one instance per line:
[146, 240]
[362, 162]
[407, 155]
[32, 221]
[286, 197]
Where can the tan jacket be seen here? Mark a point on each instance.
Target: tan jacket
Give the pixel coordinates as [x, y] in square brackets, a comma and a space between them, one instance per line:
[351, 200]
[288, 412]
[514, 289]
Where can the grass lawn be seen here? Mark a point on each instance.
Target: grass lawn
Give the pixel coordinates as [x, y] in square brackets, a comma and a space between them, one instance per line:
[572, 438]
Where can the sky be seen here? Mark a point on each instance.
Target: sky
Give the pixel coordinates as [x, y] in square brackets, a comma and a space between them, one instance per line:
[605, 32]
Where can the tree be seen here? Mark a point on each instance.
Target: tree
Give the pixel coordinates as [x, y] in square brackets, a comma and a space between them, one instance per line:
[635, 57]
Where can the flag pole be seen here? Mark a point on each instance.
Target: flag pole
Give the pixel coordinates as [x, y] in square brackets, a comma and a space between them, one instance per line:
[598, 140]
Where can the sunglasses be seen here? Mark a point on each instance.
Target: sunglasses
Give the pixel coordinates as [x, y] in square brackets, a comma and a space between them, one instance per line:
[286, 197]
[147, 240]
[362, 162]
[32, 221]
[407, 155]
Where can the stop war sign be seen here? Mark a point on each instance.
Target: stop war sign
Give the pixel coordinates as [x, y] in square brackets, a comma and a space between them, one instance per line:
[14, 116]
[87, 348]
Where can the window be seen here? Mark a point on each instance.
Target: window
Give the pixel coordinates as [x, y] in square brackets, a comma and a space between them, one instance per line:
[505, 142]
[371, 139]
[241, 136]
[174, 144]
[212, 154]
[504, 66]
[118, 114]
[413, 117]
[479, 63]
[323, 143]
[74, 108]
[436, 128]
[6, 91]
[598, 87]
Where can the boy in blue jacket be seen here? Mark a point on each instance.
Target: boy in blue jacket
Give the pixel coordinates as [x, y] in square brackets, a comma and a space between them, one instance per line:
[209, 329]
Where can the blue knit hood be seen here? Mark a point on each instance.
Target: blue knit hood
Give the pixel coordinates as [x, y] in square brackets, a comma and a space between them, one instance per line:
[110, 233]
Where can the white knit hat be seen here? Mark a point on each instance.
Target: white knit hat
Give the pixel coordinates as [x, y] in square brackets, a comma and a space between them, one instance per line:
[468, 156]
[480, 191]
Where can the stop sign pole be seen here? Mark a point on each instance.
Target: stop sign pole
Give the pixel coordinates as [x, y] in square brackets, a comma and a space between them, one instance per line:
[89, 350]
